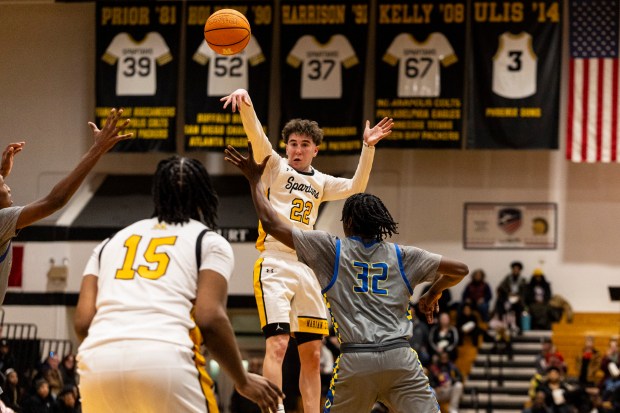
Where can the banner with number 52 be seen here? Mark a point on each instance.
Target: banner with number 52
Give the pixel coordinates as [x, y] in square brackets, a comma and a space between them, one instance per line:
[210, 76]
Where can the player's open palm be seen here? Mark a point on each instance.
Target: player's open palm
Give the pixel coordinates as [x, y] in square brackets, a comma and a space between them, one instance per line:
[11, 150]
[378, 132]
[252, 170]
[110, 134]
[236, 98]
[262, 392]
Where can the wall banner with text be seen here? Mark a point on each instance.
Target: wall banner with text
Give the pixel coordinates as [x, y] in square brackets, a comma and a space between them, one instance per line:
[420, 69]
[516, 70]
[322, 59]
[210, 76]
[137, 69]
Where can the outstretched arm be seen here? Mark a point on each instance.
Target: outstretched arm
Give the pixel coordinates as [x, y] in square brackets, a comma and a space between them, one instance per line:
[449, 273]
[272, 224]
[240, 100]
[7, 157]
[341, 188]
[58, 197]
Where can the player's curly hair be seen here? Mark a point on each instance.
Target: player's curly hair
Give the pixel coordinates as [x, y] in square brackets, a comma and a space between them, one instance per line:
[303, 127]
[367, 217]
[182, 190]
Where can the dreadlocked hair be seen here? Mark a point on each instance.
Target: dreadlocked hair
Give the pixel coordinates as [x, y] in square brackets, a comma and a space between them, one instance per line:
[182, 190]
[303, 127]
[367, 217]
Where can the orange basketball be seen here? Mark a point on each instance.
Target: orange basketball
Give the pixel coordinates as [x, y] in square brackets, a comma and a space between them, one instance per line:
[227, 31]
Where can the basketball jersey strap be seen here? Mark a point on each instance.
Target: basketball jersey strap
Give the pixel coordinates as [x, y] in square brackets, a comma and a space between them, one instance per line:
[199, 247]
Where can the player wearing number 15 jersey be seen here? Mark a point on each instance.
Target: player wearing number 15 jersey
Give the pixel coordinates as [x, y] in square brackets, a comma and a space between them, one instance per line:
[287, 294]
[148, 296]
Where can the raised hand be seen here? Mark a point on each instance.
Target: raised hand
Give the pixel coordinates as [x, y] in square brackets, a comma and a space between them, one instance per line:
[378, 132]
[236, 98]
[246, 164]
[109, 136]
[11, 150]
[261, 391]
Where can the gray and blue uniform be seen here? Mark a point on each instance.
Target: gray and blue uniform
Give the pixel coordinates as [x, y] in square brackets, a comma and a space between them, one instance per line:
[8, 220]
[367, 288]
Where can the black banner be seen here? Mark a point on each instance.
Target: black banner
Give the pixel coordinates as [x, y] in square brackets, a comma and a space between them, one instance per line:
[323, 54]
[420, 69]
[137, 68]
[515, 75]
[209, 76]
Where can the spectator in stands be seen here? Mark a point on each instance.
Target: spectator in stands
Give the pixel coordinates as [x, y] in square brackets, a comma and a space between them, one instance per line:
[588, 363]
[12, 391]
[511, 296]
[446, 380]
[68, 370]
[41, 400]
[549, 357]
[539, 404]
[443, 337]
[468, 324]
[419, 338]
[67, 401]
[54, 379]
[556, 391]
[537, 296]
[7, 360]
[478, 294]
[611, 360]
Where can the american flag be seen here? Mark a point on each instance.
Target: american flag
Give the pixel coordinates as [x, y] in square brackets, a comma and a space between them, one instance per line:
[593, 110]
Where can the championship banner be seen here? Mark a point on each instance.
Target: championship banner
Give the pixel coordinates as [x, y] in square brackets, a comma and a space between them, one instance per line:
[515, 88]
[210, 76]
[137, 69]
[419, 72]
[322, 59]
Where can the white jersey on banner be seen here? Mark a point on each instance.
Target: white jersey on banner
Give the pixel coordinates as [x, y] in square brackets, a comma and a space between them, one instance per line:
[136, 72]
[228, 73]
[321, 74]
[514, 66]
[418, 71]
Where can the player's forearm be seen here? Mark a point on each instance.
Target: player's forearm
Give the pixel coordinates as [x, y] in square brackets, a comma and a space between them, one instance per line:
[340, 188]
[270, 221]
[443, 282]
[221, 345]
[254, 130]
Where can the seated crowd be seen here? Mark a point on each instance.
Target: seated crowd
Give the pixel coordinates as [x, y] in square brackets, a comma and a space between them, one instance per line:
[519, 305]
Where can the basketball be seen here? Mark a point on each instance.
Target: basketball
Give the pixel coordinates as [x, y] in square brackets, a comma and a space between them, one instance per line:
[227, 32]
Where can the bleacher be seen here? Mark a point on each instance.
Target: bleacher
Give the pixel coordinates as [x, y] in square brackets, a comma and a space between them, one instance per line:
[569, 337]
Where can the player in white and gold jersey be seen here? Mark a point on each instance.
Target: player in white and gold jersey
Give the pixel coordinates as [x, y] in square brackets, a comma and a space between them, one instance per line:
[287, 294]
[148, 296]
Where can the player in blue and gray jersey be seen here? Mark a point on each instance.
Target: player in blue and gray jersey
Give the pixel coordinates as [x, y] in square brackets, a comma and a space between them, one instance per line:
[367, 283]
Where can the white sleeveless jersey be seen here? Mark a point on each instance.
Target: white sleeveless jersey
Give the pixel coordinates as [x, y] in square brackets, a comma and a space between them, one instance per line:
[147, 279]
[419, 73]
[136, 73]
[515, 66]
[227, 73]
[321, 73]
